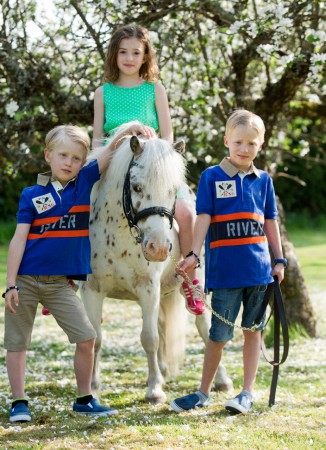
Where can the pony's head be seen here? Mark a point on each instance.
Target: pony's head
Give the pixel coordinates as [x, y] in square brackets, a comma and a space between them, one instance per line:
[154, 173]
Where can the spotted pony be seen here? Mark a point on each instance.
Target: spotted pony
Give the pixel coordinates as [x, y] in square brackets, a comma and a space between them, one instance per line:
[131, 244]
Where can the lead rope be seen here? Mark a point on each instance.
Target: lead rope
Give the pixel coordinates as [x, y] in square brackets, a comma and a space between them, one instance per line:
[197, 292]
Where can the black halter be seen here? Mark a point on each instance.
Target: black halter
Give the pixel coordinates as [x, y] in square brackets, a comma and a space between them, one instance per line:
[134, 217]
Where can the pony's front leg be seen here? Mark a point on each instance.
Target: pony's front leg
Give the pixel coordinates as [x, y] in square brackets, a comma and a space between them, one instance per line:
[150, 342]
[93, 302]
[222, 381]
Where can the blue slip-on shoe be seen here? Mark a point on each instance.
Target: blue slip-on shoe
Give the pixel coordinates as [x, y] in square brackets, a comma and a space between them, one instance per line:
[20, 413]
[191, 401]
[94, 407]
[242, 403]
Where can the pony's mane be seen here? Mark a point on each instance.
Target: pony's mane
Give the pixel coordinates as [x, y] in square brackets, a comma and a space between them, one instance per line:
[161, 166]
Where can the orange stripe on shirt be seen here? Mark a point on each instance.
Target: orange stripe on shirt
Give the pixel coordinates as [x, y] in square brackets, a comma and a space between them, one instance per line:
[74, 209]
[238, 216]
[80, 208]
[45, 221]
[58, 234]
[240, 241]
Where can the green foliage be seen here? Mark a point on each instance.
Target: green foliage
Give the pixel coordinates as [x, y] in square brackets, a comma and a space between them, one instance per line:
[303, 163]
[7, 230]
[297, 333]
[12, 187]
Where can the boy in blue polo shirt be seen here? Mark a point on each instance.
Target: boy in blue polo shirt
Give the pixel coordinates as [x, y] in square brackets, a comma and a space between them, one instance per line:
[237, 218]
[50, 245]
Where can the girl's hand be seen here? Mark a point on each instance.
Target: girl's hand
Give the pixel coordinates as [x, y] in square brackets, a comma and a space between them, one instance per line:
[144, 130]
[187, 265]
[279, 272]
[12, 298]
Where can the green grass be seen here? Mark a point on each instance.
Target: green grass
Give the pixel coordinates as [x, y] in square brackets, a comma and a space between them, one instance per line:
[296, 422]
[310, 247]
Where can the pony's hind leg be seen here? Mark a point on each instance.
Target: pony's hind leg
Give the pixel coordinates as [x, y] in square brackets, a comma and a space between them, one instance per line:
[93, 302]
[222, 381]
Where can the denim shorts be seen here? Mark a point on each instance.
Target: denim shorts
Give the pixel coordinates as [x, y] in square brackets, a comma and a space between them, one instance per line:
[227, 303]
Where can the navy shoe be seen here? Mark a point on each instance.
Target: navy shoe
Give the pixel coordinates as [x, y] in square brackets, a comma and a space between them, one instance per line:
[20, 413]
[242, 403]
[94, 407]
[190, 401]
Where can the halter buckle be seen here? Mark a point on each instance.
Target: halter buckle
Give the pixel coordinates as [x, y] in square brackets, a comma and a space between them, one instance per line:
[137, 234]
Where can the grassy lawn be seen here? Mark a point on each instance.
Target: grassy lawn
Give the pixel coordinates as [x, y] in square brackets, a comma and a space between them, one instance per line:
[310, 248]
[296, 422]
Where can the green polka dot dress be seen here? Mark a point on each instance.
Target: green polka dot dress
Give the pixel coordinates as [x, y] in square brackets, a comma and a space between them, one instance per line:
[122, 105]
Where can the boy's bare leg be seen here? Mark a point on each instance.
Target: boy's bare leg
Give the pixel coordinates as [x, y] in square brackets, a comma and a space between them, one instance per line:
[16, 365]
[83, 365]
[251, 354]
[213, 355]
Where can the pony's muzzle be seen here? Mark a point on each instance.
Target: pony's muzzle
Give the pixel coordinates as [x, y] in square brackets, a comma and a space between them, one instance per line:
[155, 250]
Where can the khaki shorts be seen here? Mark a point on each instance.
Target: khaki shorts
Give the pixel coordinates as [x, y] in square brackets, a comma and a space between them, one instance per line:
[55, 293]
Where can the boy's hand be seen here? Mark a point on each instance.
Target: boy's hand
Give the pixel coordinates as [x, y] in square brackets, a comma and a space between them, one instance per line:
[187, 265]
[279, 272]
[12, 298]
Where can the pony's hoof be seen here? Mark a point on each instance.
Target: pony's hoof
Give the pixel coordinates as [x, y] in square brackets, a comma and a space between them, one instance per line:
[224, 387]
[156, 399]
[96, 388]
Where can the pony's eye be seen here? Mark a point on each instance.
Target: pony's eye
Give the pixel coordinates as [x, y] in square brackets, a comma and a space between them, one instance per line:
[137, 188]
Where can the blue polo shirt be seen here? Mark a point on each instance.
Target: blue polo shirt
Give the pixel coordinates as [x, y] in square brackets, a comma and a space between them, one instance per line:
[236, 247]
[58, 240]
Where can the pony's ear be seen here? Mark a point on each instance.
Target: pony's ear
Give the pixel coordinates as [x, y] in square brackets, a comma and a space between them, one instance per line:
[135, 145]
[179, 146]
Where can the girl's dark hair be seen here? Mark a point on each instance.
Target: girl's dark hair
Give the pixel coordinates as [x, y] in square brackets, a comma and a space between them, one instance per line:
[149, 70]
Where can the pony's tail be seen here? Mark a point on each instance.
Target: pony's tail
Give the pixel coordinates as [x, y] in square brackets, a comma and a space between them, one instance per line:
[172, 330]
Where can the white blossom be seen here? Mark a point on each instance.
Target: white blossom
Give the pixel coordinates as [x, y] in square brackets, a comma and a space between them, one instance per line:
[253, 30]
[11, 108]
[153, 37]
[317, 35]
[235, 27]
[266, 49]
[120, 4]
[305, 149]
[280, 11]
[319, 58]
[285, 25]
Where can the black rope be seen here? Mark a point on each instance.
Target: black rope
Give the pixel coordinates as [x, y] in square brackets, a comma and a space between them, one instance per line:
[280, 326]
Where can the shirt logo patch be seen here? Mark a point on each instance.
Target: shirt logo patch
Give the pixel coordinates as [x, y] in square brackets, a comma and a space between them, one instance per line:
[225, 189]
[43, 203]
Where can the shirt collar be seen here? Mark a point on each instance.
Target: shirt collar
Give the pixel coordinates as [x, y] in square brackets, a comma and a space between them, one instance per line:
[43, 179]
[231, 170]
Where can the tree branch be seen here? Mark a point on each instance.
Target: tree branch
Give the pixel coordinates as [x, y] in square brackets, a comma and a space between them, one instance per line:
[90, 29]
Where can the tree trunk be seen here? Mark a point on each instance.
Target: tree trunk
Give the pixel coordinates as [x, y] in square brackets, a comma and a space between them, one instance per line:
[297, 302]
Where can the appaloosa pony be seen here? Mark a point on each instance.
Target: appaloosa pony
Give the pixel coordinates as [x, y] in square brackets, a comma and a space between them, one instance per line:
[132, 232]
